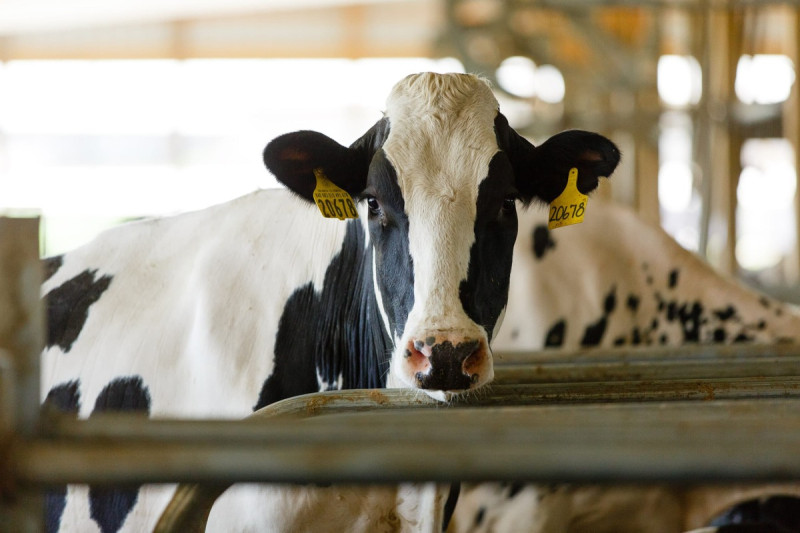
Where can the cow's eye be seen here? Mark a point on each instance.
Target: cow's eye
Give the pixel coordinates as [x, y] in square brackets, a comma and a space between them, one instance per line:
[374, 205]
[509, 204]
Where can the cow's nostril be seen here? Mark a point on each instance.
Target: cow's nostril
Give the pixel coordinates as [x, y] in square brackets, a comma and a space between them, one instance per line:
[450, 366]
[472, 360]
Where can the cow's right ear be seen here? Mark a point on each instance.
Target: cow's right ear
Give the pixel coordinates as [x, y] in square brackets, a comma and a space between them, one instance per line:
[293, 157]
[541, 172]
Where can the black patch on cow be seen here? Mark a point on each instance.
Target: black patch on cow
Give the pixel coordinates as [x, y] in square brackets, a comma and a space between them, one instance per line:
[610, 302]
[620, 341]
[593, 334]
[294, 370]
[726, 313]
[672, 311]
[515, 488]
[109, 507]
[480, 515]
[65, 397]
[50, 266]
[633, 302]
[347, 339]
[691, 319]
[720, 335]
[123, 394]
[555, 335]
[484, 293]
[780, 514]
[542, 240]
[68, 307]
[764, 301]
[450, 504]
[743, 338]
[673, 278]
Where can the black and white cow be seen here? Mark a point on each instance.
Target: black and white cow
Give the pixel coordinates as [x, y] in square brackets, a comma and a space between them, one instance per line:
[222, 311]
[641, 289]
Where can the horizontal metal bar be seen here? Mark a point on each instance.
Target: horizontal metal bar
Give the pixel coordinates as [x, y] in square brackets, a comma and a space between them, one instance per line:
[520, 418]
[678, 441]
[650, 355]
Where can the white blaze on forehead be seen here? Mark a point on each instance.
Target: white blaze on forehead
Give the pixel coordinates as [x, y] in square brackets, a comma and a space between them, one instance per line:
[441, 142]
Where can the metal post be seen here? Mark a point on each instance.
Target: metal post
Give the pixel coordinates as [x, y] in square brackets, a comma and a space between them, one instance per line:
[21, 327]
[21, 317]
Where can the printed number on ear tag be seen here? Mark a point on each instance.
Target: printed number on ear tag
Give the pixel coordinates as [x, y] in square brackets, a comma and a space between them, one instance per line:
[332, 201]
[570, 205]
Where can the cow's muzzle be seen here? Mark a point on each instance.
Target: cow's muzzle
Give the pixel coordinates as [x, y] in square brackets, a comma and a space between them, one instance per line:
[447, 365]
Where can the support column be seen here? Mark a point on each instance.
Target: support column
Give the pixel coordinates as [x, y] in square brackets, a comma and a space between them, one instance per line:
[21, 342]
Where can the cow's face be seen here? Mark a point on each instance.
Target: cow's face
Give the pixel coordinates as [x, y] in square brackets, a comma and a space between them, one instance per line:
[439, 178]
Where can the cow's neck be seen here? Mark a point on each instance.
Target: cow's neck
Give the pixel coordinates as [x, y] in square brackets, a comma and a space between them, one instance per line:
[354, 349]
[332, 337]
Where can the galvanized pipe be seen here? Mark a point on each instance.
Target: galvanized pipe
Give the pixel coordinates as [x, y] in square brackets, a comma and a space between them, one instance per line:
[678, 441]
[21, 316]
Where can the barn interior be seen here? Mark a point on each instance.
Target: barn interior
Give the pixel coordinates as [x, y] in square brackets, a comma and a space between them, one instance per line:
[116, 110]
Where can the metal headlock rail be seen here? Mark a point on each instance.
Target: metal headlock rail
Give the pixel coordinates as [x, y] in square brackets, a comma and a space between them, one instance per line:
[700, 414]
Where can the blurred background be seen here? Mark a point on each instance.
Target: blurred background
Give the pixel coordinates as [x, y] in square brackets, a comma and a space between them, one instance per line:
[120, 109]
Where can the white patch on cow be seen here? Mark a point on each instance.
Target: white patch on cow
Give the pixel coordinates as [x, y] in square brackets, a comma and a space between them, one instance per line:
[379, 299]
[440, 144]
[324, 385]
[76, 515]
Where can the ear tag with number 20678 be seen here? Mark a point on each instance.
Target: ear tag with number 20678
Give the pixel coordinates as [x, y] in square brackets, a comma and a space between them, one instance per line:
[332, 201]
[569, 207]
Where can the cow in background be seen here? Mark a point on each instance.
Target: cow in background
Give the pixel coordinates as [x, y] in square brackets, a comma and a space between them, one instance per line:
[223, 311]
[616, 281]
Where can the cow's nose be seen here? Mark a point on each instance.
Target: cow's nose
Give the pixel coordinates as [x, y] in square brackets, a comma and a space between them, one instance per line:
[446, 364]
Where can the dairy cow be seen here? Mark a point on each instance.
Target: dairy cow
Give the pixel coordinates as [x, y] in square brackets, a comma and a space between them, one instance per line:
[640, 289]
[219, 312]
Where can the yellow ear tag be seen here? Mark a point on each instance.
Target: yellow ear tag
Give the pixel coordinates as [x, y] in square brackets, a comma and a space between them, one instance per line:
[332, 201]
[570, 205]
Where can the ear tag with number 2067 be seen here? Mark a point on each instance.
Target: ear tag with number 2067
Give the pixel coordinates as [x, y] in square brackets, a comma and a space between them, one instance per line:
[569, 207]
[332, 201]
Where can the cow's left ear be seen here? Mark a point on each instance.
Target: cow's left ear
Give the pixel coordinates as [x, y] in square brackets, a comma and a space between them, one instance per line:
[293, 157]
[541, 172]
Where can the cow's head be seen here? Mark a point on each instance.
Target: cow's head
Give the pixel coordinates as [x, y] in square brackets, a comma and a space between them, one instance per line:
[440, 175]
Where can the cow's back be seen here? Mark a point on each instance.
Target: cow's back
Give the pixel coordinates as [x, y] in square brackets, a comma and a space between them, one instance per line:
[617, 281]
